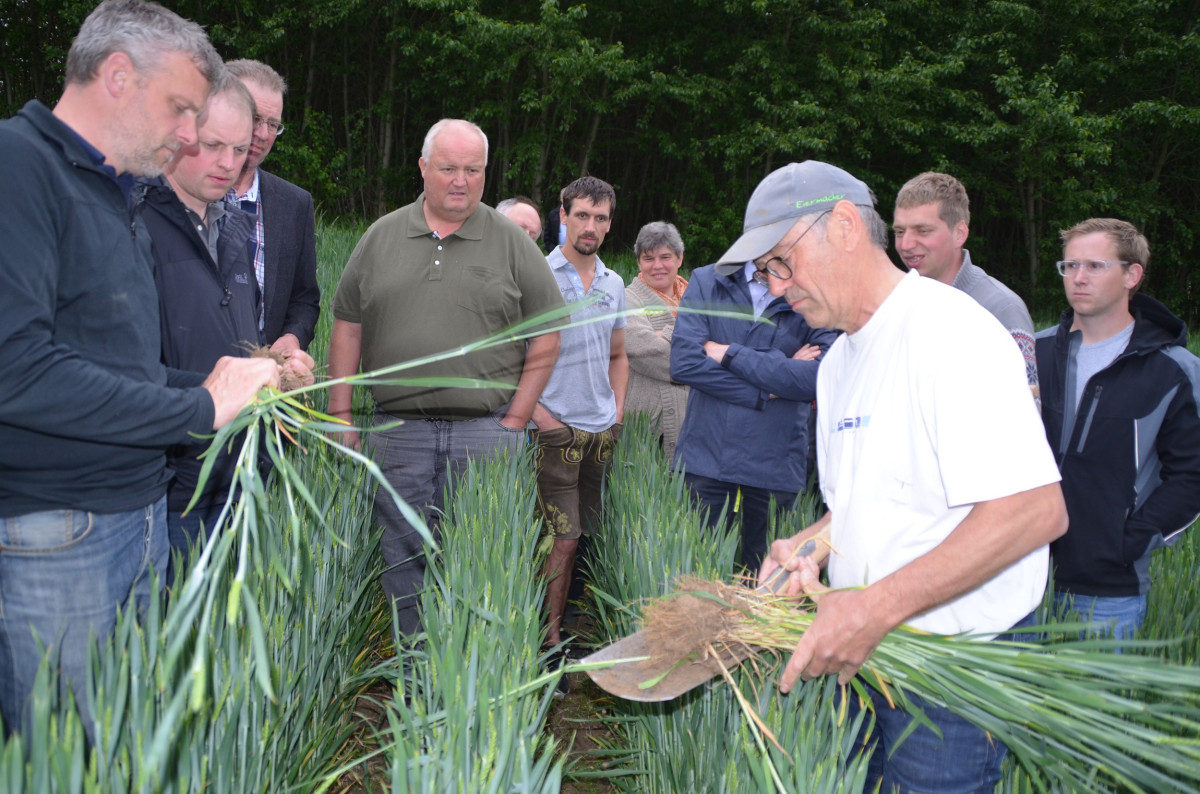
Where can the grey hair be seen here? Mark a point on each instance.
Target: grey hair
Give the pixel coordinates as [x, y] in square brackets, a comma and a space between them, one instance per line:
[427, 146]
[238, 95]
[147, 33]
[656, 235]
[877, 229]
[508, 203]
[257, 72]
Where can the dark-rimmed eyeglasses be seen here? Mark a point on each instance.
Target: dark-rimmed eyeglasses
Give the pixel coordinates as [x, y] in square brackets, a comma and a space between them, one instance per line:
[777, 266]
[275, 127]
[1093, 267]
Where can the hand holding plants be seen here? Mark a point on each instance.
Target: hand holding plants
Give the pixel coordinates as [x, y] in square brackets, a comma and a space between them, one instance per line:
[844, 633]
[234, 382]
[297, 369]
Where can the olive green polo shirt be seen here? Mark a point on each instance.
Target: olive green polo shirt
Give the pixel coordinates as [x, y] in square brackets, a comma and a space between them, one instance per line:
[416, 295]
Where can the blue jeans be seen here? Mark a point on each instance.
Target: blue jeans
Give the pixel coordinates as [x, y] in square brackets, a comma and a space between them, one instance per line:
[1122, 616]
[754, 511]
[63, 573]
[965, 760]
[421, 459]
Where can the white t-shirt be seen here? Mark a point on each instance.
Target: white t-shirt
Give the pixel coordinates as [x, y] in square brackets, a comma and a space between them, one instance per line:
[924, 412]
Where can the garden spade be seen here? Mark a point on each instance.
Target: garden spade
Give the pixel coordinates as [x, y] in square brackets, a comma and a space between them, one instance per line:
[641, 676]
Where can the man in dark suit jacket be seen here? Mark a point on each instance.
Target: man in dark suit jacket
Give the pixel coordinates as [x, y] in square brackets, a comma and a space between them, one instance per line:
[285, 240]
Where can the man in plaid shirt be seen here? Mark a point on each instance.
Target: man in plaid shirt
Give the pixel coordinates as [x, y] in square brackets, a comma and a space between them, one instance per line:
[284, 242]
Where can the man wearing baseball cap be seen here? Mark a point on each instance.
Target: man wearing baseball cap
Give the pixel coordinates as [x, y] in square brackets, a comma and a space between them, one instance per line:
[942, 491]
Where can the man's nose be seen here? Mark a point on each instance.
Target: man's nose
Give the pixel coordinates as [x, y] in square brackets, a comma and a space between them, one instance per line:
[777, 286]
[187, 131]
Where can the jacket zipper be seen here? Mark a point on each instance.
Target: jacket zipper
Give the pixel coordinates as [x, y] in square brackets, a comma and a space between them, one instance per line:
[1087, 423]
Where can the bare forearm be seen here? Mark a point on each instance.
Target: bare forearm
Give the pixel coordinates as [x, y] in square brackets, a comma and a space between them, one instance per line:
[539, 363]
[850, 624]
[345, 354]
[993, 536]
[618, 370]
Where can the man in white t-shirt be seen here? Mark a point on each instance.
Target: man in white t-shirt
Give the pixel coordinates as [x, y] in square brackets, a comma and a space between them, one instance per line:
[942, 491]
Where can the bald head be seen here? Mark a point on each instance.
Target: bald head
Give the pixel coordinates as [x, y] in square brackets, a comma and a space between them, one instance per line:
[452, 166]
[521, 211]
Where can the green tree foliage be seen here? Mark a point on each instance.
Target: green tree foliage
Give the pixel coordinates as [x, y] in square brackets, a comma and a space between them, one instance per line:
[1049, 112]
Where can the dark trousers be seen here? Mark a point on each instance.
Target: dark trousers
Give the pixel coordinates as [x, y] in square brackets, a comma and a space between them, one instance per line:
[752, 511]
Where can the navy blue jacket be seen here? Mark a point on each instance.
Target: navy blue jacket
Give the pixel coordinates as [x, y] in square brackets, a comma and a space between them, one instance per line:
[734, 430]
[1130, 455]
[86, 406]
[208, 309]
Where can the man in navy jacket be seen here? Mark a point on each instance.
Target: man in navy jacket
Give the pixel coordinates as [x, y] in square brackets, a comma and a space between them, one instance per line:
[207, 296]
[1119, 402]
[744, 439]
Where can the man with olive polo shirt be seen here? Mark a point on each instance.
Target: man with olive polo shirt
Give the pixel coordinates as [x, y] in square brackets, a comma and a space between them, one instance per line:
[441, 272]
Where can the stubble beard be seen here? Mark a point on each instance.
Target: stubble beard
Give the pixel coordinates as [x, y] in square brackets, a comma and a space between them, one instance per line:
[586, 247]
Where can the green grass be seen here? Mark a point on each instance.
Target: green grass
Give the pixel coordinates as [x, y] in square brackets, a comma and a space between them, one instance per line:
[468, 709]
[702, 741]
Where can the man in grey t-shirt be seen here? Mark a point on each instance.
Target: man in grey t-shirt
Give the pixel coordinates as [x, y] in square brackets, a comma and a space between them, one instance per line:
[931, 224]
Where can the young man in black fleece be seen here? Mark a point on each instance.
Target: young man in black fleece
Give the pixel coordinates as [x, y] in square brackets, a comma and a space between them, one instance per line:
[1119, 402]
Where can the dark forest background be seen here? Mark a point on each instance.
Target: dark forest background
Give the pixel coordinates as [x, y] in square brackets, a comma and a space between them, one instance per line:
[1049, 112]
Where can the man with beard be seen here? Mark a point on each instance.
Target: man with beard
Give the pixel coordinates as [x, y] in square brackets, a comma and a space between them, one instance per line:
[579, 416]
[86, 406]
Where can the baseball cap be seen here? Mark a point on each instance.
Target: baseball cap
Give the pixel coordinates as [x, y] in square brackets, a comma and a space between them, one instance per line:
[786, 194]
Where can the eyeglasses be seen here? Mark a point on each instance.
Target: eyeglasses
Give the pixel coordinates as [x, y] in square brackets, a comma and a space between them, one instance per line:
[1093, 267]
[777, 266]
[276, 127]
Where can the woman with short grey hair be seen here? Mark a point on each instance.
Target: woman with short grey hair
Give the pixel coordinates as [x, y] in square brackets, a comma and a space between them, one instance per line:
[657, 288]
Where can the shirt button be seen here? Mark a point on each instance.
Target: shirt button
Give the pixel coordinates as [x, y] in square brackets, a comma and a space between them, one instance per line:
[439, 248]
[437, 261]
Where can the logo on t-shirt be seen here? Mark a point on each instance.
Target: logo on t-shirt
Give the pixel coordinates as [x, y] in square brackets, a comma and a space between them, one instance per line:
[849, 423]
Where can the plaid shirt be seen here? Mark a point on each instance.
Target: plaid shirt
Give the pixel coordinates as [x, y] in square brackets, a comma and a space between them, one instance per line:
[251, 201]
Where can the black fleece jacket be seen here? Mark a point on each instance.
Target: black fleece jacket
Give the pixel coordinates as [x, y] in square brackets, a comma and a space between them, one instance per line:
[86, 406]
[1130, 454]
[208, 308]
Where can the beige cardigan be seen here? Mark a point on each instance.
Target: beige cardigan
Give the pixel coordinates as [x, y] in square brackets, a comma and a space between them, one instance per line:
[648, 345]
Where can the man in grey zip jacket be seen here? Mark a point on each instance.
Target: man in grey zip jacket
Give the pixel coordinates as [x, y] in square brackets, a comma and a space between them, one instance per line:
[930, 225]
[1120, 406]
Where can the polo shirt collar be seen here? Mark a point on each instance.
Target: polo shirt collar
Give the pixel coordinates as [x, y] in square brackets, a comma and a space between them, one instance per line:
[472, 228]
[561, 261]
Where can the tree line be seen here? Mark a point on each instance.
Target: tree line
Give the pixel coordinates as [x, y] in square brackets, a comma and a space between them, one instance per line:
[1048, 111]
